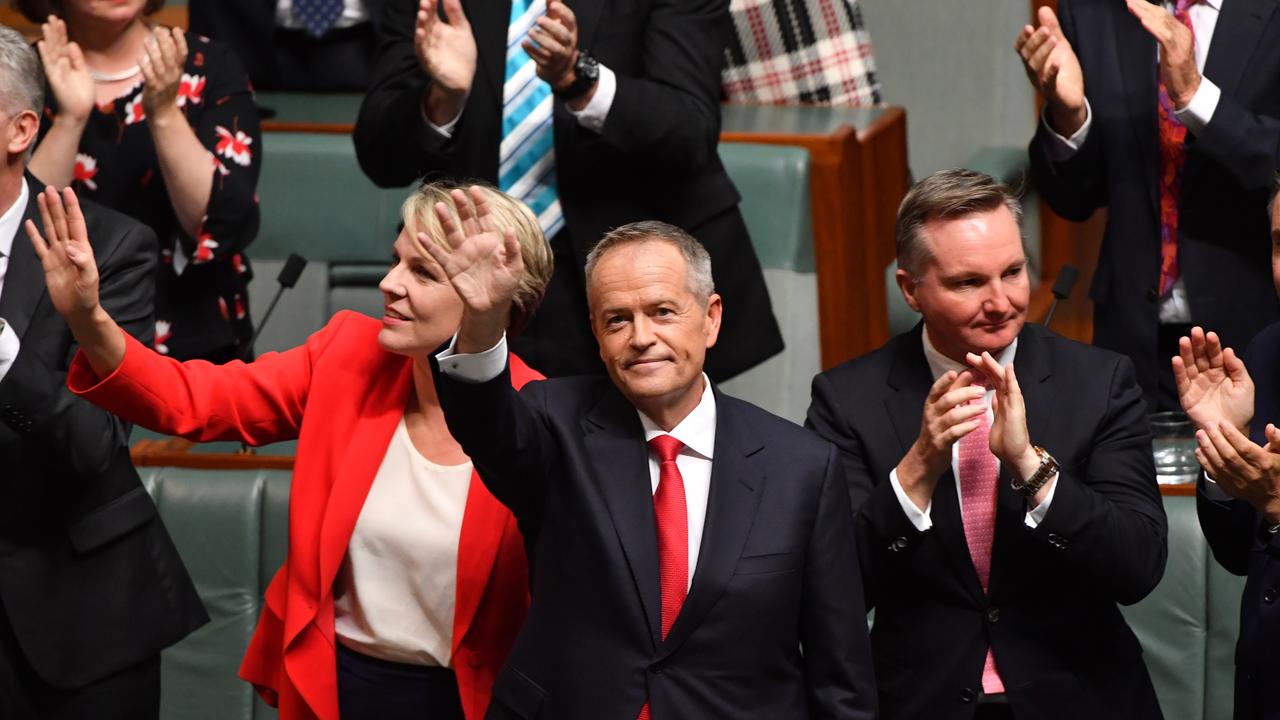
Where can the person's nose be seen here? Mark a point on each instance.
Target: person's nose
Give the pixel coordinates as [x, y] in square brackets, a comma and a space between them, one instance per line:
[641, 332]
[997, 300]
[390, 285]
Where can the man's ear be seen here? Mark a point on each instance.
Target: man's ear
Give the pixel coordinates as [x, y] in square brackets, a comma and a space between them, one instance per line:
[907, 284]
[715, 310]
[22, 132]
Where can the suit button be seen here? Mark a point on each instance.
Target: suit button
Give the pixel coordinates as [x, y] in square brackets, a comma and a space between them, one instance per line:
[656, 668]
[967, 695]
[1269, 596]
[898, 544]
[475, 660]
[993, 614]
[1152, 294]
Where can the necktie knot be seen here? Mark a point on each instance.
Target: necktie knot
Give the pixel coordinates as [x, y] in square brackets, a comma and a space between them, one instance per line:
[666, 447]
[1181, 5]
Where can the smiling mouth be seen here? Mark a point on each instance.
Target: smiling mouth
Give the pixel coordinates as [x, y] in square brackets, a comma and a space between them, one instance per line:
[393, 314]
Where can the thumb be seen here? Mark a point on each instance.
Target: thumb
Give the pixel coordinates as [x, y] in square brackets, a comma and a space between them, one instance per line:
[1050, 21]
[457, 17]
[76, 56]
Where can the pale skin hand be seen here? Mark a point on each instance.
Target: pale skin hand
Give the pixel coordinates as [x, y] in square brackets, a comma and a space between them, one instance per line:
[1241, 468]
[948, 416]
[1008, 438]
[553, 45]
[1213, 384]
[1054, 71]
[482, 263]
[446, 51]
[68, 77]
[1177, 50]
[71, 276]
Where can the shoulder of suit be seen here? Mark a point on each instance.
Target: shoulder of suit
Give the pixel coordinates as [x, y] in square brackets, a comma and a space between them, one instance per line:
[774, 430]
[870, 367]
[106, 225]
[1265, 346]
[1062, 350]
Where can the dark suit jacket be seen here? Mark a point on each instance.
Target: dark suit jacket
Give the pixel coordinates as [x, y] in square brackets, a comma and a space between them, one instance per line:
[654, 159]
[777, 568]
[89, 579]
[1242, 545]
[1223, 240]
[1061, 646]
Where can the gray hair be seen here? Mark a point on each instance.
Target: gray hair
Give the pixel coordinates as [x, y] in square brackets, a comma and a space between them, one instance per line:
[946, 195]
[697, 261]
[21, 77]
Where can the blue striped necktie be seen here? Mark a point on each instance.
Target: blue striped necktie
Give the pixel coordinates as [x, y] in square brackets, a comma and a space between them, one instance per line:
[527, 163]
[317, 16]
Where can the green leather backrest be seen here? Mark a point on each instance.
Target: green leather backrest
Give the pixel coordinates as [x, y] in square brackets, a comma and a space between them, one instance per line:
[774, 183]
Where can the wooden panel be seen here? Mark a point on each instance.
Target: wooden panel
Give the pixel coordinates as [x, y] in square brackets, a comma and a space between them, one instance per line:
[176, 452]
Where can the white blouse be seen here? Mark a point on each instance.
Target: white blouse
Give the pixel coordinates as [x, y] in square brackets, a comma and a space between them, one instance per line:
[395, 592]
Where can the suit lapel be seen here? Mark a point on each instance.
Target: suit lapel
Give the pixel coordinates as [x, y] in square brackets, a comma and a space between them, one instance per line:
[24, 279]
[491, 40]
[731, 510]
[1138, 76]
[615, 443]
[1034, 370]
[911, 378]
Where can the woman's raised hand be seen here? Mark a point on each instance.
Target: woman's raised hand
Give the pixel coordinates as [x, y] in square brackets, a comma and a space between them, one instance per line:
[162, 65]
[70, 271]
[66, 71]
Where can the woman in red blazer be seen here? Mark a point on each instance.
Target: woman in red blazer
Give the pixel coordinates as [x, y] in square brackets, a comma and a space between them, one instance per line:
[345, 395]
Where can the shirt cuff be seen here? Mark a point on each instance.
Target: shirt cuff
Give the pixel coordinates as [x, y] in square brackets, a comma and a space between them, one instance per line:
[1213, 492]
[447, 129]
[1062, 149]
[473, 367]
[922, 520]
[1036, 516]
[9, 346]
[1199, 112]
[592, 116]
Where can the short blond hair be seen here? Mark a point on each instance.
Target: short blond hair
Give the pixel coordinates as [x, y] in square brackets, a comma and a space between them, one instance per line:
[419, 216]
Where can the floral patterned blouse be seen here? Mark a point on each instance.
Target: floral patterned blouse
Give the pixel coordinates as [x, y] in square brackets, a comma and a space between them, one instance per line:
[202, 308]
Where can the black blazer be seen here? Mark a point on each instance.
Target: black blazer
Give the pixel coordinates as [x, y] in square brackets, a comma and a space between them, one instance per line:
[1223, 240]
[777, 570]
[89, 579]
[1060, 643]
[655, 158]
[1241, 543]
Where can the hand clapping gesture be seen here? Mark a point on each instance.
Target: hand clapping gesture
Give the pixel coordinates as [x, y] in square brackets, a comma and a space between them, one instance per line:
[553, 45]
[446, 48]
[1008, 438]
[949, 414]
[1213, 384]
[162, 64]
[1177, 50]
[1242, 468]
[1054, 71]
[66, 71]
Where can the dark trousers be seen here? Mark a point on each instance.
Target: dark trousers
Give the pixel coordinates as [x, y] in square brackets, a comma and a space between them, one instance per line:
[374, 689]
[131, 694]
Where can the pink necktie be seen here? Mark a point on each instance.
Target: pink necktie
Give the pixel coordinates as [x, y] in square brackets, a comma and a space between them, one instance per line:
[672, 517]
[1173, 136]
[978, 471]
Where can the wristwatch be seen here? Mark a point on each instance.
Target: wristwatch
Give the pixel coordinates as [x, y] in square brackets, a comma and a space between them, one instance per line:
[1032, 485]
[586, 72]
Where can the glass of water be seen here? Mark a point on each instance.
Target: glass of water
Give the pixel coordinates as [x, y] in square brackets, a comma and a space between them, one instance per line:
[1173, 445]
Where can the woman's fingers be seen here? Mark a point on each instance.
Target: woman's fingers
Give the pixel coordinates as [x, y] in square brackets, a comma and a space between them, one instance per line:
[37, 242]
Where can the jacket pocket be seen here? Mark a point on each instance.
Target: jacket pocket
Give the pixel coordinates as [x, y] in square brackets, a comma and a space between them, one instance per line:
[516, 695]
[771, 563]
[108, 522]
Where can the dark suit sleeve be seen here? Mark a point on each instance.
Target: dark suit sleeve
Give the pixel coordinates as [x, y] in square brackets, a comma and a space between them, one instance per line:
[505, 438]
[85, 438]
[824, 417]
[1246, 144]
[833, 623]
[670, 116]
[1229, 526]
[1107, 523]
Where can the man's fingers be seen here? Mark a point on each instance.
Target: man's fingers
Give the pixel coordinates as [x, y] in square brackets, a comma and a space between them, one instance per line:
[941, 385]
[1049, 20]
[1243, 446]
[539, 54]
[953, 434]
[1213, 349]
[961, 396]
[552, 46]
[961, 414]
[564, 14]
[1225, 450]
[456, 16]
[1199, 351]
[1205, 443]
[1187, 356]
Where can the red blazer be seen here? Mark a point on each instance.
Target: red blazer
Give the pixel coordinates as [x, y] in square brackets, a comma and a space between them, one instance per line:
[341, 396]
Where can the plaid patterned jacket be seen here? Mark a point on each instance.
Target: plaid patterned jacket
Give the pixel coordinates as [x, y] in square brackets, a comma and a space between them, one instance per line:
[799, 51]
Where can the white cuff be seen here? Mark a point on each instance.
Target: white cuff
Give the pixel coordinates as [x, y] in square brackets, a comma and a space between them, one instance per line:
[9, 346]
[1036, 516]
[921, 520]
[592, 116]
[473, 367]
[1199, 112]
[446, 129]
[1061, 149]
[1213, 492]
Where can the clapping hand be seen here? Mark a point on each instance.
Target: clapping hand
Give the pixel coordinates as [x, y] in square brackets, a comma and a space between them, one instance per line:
[70, 272]
[482, 262]
[1054, 71]
[446, 48]
[1213, 384]
[162, 64]
[949, 414]
[1008, 438]
[1242, 468]
[1177, 50]
[553, 45]
[66, 71]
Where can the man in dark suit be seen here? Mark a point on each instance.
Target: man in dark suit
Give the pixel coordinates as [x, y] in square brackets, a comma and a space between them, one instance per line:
[712, 574]
[91, 587]
[1238, 499]
[1167, 116]
[1005, 514]
[625, 132]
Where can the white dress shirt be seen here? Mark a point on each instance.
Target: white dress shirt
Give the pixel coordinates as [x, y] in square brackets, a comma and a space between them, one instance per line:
[697, 431]
[10, 226]
[395, 594]
[591, 117]
[1195, 116]
[353, 13]
[939, 364]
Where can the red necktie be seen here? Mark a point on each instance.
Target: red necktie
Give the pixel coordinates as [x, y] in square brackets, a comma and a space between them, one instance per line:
[1173, 136]
[978, 472]
[672, 517]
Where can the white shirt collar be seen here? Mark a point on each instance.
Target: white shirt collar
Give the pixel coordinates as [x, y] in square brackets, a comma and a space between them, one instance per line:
[11, 221]
[940, 364]
[697, 430]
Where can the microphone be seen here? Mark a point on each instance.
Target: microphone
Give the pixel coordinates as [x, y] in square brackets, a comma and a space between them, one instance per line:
[288, 277]
[1062, 286]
